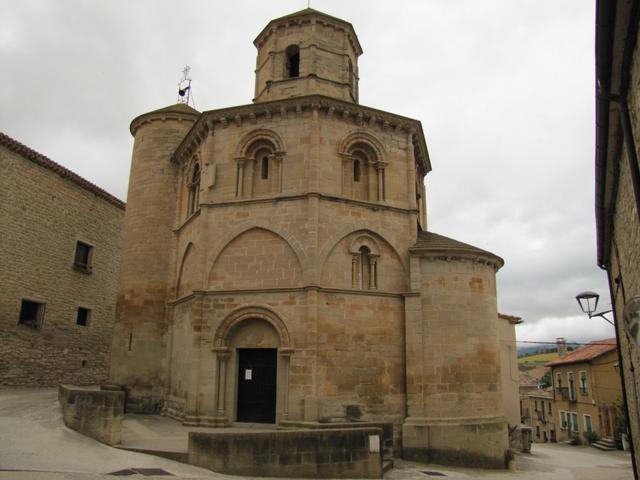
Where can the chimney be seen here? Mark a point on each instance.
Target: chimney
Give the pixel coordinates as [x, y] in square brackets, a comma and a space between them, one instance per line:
[562, 346]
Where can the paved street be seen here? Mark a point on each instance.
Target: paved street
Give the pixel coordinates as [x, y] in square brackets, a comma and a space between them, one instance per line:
[34, 444]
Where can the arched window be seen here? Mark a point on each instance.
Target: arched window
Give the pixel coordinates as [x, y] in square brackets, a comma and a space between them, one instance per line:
[265, 168]
[293, 61]
[194, 190]
[365, 267]
[356, 170]
[365, 255]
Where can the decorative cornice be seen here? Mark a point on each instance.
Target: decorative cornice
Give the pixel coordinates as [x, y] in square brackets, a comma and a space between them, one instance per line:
[39, 159]
[292, 198]
[315, 288]
[365, 117]
[513, 320]
[474, 257]
[312, 16]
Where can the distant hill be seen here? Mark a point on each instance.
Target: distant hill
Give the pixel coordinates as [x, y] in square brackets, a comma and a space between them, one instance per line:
[524, 350]
[538, 358]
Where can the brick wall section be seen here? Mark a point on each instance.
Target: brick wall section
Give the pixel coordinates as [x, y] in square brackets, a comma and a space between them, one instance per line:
[43, 212]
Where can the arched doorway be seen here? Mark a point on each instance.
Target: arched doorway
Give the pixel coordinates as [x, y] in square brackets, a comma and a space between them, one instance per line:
[253, 352]
[255, 343]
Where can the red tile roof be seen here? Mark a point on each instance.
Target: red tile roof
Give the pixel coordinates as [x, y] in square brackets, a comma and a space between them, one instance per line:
[586, 353]
[525, 380]
[39, 159]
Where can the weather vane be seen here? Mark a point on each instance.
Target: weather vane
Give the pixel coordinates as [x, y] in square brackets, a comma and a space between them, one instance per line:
[184, 87]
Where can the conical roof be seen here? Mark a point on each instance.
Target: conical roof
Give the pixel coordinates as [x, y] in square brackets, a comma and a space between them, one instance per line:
[433, 243]
[176, 109]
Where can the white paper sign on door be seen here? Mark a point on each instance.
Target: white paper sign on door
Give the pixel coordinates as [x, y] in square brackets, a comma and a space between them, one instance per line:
[247, 374]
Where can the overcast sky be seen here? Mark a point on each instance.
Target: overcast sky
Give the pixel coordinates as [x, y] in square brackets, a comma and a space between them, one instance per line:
[504, 90]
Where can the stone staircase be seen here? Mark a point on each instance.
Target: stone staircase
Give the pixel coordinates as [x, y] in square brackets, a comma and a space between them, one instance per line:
[605, 444]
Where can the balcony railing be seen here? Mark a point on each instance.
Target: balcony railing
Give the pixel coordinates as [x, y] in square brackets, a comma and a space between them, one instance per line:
[566, 394]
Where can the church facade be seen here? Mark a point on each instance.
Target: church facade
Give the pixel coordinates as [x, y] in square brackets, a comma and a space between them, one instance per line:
[277, 266]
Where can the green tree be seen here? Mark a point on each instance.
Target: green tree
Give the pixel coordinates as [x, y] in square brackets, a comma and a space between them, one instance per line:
[546, 381]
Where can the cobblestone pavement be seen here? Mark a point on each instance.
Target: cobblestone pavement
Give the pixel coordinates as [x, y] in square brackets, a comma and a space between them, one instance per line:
[35, 445]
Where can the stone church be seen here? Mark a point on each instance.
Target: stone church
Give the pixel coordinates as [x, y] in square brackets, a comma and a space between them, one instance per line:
[277, 266]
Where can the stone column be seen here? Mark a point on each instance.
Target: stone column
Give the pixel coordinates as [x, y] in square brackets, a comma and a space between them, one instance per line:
[354, 271]
[222, 355]
[373, 272]
[380, 170]
[277, 162]
[285, 356]
[240, 177]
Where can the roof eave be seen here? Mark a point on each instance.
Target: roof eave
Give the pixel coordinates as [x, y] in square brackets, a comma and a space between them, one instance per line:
[309, 12]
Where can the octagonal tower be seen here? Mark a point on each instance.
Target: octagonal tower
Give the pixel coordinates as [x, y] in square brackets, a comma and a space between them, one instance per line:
[305, 53]
[282, 271]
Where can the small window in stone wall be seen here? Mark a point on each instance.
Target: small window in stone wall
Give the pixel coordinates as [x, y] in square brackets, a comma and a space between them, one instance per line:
[83, 257]
[83, 316]
[293, 61]
[31, 314]
[194, 191]
[265, 168]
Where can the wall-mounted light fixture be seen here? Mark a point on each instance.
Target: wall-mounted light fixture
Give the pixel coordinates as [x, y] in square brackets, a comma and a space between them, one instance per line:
[588, 302]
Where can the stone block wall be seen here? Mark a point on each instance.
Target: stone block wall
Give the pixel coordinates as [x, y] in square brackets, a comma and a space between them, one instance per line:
[625, 258]
[93, 412]
[44, 211]
[336, 453]
[139, 336]
[454, 384]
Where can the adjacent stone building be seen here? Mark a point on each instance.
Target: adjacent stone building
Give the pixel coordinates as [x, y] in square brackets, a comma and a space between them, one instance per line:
[538, 413]
[586, 391]
[277, 266]
[59, 258]
[509, 367]
[617, 202]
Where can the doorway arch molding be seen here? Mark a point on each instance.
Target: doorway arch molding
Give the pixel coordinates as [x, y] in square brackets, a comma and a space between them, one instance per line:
[234, 319]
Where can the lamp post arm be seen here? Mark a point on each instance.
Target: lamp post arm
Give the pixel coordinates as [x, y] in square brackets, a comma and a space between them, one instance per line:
[602, 315]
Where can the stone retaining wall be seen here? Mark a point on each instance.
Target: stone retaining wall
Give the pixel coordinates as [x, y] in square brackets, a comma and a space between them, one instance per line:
[93, 412]
[337, 453]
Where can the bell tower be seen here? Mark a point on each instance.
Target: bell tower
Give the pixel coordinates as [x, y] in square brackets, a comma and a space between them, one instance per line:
[307, 53]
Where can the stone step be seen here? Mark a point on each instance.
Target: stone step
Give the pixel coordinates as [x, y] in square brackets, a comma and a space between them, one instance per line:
[605, 444]
[387, 464]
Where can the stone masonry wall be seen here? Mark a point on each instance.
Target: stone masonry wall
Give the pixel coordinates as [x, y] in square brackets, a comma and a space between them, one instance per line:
[42, 216]
[625, 258]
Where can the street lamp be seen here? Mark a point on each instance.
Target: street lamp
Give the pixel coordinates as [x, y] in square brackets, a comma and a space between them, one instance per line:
[588, 302]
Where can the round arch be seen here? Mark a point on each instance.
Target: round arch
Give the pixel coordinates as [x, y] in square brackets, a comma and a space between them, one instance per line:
[285, 235]
[364, 240]
[255, 136]
[228, 326]
[353, 139]
[366, 231]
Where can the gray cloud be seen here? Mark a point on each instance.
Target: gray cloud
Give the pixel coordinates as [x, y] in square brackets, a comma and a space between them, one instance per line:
[505, 91]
